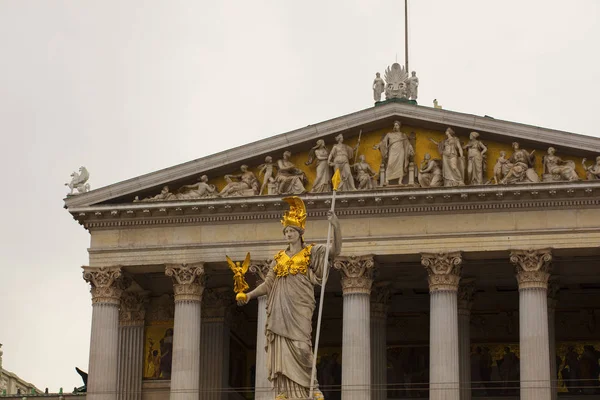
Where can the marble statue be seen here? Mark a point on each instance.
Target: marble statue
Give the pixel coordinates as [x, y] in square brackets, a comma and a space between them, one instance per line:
[395, 78]
[289, 287]
[453, 160]
[593, 171]
[364, 174]
[430, 172]
[289, 179]
[322, 181]
[412, 84]
[79, 182]
[339, 158]
[520, 167]
[244, 184]
[501, 168]
[475, 159]
[378, 87]
[266, 171]
[198, 190]
[555, 169]
[164, 195]
[396, 151]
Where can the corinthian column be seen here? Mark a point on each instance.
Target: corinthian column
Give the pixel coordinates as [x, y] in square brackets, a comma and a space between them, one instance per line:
[533, 271]
[443, 271]
[188, 285]
[357, 278]
[380, 299]
[465, 302]
[104, 343]
[214, 354]
[553, 289]
[131, 345]
[262, 385]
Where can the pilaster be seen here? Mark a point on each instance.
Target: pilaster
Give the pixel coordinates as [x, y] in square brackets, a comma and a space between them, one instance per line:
[443, 270]
[106, 288]
[188, 286]
[533, 271]
[357, 279]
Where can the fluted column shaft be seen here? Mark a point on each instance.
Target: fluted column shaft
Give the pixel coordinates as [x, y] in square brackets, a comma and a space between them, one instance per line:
[131, 345]
[185, 370]
[553, 289]
[380, 298]
[104, 341]
[532, 275]
[444, 275]
[356, 338]
[465, 302]
[262, 385]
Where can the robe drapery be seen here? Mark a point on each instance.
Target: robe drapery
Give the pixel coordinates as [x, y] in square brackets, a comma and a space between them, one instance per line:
[290, 307]
[396, 148]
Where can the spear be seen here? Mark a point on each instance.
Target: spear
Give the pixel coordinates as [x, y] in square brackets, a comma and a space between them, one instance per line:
[336, 180]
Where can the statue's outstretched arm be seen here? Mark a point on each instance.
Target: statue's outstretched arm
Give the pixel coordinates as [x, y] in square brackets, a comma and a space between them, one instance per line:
[264, 288]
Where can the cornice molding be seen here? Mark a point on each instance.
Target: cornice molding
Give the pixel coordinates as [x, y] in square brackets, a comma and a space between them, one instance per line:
[410, 114]
[539, 196]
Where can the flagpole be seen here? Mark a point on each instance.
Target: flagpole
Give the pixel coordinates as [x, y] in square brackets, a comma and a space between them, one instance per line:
[313, 373]
[406, 35]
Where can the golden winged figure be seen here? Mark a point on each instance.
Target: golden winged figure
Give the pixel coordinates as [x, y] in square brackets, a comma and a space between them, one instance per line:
[239, 270]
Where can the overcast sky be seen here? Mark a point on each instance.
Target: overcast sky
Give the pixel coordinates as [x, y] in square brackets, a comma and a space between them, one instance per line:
[129, 87]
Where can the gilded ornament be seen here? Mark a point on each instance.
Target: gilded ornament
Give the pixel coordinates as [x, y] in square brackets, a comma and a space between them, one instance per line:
[296, 216]
[239, 271]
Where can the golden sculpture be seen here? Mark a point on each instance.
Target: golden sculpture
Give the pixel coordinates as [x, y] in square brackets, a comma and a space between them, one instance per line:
[296, 216]
[239, 282]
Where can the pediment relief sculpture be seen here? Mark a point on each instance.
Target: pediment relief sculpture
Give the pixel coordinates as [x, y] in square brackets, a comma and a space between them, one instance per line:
[460, 162]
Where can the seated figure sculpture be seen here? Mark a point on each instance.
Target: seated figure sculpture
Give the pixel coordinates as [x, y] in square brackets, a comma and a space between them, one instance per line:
[244, 184]
[555, 169]
[289, 179]
[593, 171]
[364, 174]
[520, 167]
[430, 172]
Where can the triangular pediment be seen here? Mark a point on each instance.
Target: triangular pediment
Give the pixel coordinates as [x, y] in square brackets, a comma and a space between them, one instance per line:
[419, 123]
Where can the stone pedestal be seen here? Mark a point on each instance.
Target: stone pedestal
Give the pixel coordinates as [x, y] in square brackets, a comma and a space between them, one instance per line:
[188, 287]
[444, 275]
[380, 298]
[533, 271]
[357, 278]
[465, 302]
[104, 343]
[214, 347]
[131, 345]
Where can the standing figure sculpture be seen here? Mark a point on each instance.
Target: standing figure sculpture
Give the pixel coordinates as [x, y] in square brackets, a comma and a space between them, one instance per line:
[266, 170]
[289, 287]
[396, 151]
[555, 169]
[593, 171]
[520, 166]
[453, 160]
[244, 184]
[322, 181]
[339, 158]
[289, 179]
[364, 174]
[475, 159]
[378, 87]
[430, 172]
[79, 182]
[413, 86]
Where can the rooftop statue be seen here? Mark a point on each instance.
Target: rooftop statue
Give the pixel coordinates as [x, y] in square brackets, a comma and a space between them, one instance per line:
[244, 184]
[378, 87]
[555, 169]
[520, 167]
[289, 179]
[289, 287]
[79, 182]
[322, 181]
[396, 82]
[412, 84]
[593, 171]
[396, 151]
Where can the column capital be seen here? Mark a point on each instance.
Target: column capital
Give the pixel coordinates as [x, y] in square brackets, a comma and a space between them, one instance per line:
[466, 292]
[357, 273]
[260, 269]
[380, 298]
[188, 281]
[133, 308]
[216, 304]
[443, 270]
[533, 267]
[106, 283]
